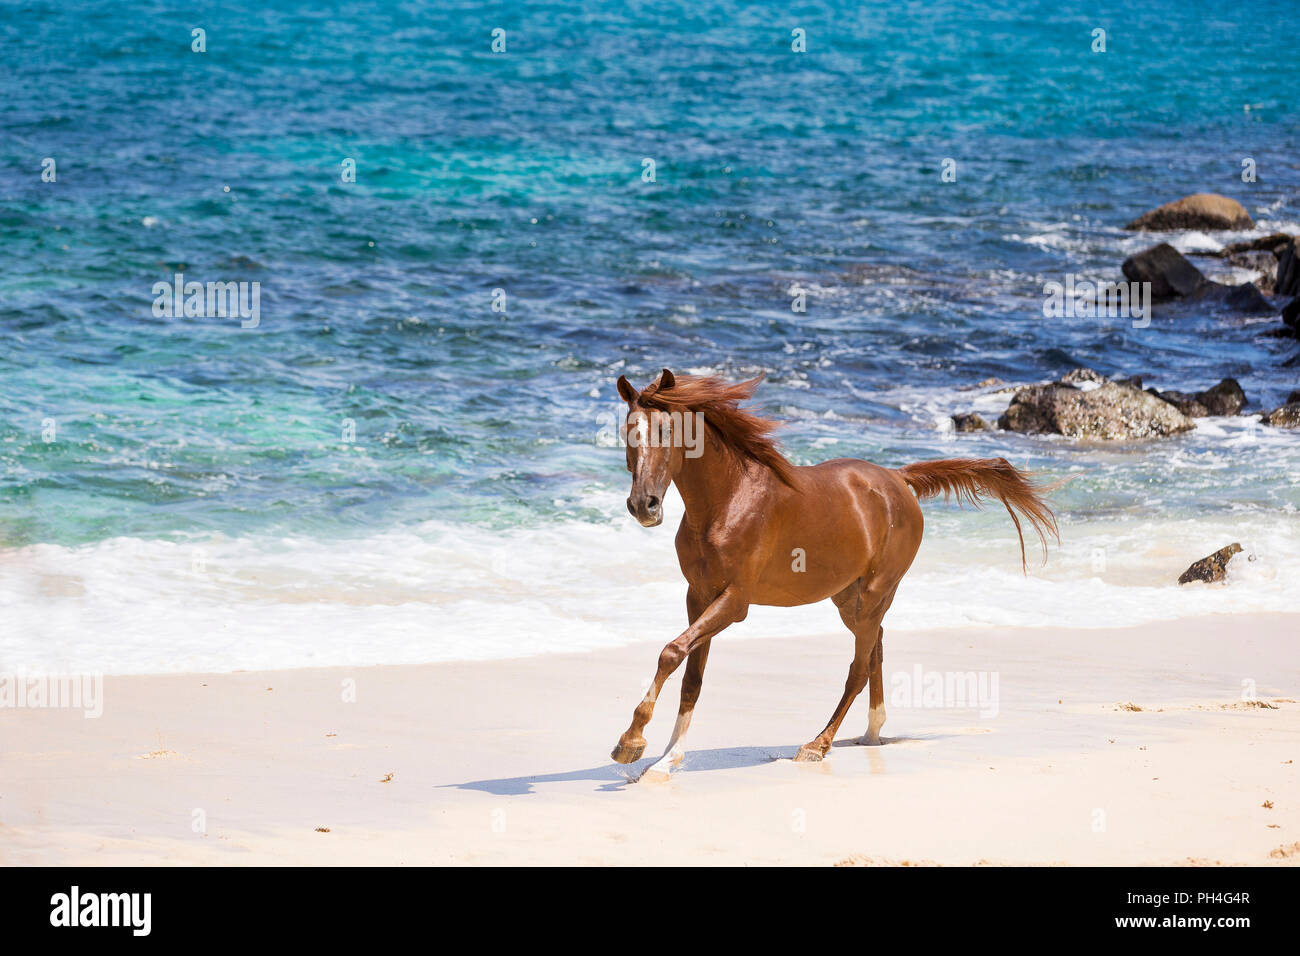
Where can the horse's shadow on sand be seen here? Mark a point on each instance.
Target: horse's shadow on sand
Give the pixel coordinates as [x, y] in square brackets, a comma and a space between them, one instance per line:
[612, 776]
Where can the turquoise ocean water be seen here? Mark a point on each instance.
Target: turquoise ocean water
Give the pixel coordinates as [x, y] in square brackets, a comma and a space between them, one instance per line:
[386, 468]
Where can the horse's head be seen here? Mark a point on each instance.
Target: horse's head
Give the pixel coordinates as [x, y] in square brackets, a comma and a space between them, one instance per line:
[654, 451]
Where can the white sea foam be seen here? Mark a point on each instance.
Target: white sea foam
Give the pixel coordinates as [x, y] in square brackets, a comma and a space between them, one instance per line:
[1195, 241]
[441, 592]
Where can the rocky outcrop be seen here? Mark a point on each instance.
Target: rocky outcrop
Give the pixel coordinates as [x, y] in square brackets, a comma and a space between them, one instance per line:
[1288, 416]
[1094, 408]
[1226, 398]
[1189, 405]
[1264, 263]
[1172, 276]
[1212, 568]
[1276, 257]
[1273, 244]
[970, 422]
[1167, 269]
[1245, 297]
[1199, 211]
[1259, 255]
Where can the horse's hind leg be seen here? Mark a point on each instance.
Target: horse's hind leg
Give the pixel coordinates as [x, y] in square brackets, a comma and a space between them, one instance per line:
[861, 608]
[876, 695]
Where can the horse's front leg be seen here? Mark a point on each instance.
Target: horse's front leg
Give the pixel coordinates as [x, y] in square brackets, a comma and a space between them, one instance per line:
[692, 681]
[727, 608]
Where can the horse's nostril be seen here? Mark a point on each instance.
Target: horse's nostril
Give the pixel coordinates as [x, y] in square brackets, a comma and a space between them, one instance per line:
[630, 509]
[653, 502]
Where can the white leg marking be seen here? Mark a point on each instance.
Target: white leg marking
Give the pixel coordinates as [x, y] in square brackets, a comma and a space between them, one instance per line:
[674, 753]
[875, 721]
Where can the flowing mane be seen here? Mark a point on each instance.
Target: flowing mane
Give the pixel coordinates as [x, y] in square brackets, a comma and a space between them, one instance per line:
[745, 433]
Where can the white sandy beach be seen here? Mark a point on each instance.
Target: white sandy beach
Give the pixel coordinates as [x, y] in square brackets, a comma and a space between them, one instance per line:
[506, 762]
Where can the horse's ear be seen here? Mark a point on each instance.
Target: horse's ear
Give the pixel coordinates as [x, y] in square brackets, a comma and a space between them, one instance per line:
[666, 380]
[625, 390]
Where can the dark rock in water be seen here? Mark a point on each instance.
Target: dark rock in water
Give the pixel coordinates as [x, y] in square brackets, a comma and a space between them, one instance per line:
[1240, 298]
[1273, 244]
[1257, 255]
[1247, 298]
[970, 422]
[1112, 411]
[1213, 568]
[1167, 269]
[1294, 397]
[1288, 416]
[1198, 211]
[1226, 398]
[1185, 403]
[1291, 314]
[1265, 263]
[1288, 269]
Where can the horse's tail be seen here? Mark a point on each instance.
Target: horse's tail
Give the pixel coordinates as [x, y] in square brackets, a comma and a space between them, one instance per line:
[974, 479]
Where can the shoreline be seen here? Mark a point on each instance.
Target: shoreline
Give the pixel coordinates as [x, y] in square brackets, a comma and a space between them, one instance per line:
[506, 761]
[437, 592]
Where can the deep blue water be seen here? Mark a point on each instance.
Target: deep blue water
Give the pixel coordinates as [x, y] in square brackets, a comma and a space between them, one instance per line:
[522, 171]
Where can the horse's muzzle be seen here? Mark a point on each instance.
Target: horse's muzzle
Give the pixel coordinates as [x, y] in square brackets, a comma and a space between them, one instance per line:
[646, 509]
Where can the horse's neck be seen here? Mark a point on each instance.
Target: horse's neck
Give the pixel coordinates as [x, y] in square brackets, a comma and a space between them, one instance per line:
[707, 483]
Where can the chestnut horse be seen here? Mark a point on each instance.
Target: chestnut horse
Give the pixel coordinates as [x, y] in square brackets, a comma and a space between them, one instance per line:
[760, 530]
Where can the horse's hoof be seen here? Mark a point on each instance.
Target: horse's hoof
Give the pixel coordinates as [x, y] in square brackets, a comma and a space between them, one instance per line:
[653, 776]
[867, 740]
[807, 755]
[627, 754]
